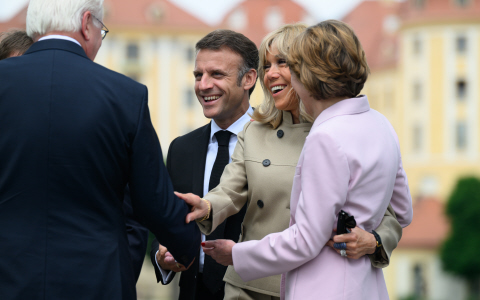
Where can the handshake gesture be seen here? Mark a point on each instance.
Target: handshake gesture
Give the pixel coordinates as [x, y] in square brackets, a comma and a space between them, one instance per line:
[219, 250]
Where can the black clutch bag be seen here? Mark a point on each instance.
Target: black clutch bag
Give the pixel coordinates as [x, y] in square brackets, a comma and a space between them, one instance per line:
[345, 222]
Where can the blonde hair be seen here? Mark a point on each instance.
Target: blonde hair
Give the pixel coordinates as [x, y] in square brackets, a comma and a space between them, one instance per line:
[329, 60]
[281, 39]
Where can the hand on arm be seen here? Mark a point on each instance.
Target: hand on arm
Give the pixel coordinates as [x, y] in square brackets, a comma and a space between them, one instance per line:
[220, 251]
[359, 243]
[200, 207]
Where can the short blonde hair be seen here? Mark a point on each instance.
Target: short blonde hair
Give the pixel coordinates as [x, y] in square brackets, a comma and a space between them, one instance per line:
[281, 39]
[329, 60]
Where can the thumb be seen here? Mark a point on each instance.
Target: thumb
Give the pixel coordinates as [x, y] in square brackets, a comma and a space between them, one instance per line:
[209, 244]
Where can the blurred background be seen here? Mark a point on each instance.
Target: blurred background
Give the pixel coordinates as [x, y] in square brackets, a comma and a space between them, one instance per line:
[424, 57]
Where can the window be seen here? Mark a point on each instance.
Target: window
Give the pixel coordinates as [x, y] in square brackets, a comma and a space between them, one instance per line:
[461, 90]
[417, 138]
[461, 135]
[417, 92]
[190, 98]
[419, 3]
[462, 3]
[190, 53]
[417, 45]
[461, 44]
[273, 18]
[418, 282]
[132, 51]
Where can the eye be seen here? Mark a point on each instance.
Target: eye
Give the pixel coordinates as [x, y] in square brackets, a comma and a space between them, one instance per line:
[266, 67]
[282, 61]
[198, 76]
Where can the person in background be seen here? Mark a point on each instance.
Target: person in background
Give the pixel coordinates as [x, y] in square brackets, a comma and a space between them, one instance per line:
[14, 43]
[225, 75]
[74, 134]
[262, 172]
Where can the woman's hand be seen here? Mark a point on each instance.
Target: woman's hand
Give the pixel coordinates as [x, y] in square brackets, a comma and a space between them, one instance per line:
[359, 243]
[220, 251]
[199, 206]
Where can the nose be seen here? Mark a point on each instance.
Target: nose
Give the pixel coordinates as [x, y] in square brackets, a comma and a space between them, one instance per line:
[273, 72]
[205, 83]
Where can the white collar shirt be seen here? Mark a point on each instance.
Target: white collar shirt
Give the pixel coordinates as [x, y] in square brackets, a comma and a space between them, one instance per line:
[59, 37]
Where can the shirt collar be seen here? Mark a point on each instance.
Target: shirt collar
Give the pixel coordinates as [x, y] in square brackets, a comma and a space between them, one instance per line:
[236, 127]
[60, 37]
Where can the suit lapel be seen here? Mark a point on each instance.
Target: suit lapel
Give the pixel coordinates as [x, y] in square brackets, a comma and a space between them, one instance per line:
[200, 158]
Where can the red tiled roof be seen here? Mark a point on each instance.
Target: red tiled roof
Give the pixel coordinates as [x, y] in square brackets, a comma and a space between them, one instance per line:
[138, 14]
[369, 20]
[257, 10]
[440, 11]
[429, 227]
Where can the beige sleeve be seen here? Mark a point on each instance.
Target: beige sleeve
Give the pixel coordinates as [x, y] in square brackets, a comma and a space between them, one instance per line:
[390, 233]
[231, 193]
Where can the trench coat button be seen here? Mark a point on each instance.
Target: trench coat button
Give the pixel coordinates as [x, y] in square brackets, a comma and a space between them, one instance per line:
[280, 133]
[260, 203]
[266, 162]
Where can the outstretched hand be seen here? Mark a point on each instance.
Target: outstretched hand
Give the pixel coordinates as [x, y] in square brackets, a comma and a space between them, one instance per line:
[220, 251]
[199, 207]
[359, 243]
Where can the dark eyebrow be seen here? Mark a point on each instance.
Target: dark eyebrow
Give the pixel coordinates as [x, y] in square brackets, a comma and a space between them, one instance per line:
[218, 71]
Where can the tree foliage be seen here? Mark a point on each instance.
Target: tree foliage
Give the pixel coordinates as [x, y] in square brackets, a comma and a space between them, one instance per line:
[460, 252]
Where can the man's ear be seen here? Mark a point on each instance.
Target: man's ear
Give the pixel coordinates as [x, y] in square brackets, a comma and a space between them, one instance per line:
[249, 79]
[87, 23]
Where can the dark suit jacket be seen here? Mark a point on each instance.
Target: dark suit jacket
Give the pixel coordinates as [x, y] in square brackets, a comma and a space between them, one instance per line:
[186, 165]
[137, 236]
[73, 134]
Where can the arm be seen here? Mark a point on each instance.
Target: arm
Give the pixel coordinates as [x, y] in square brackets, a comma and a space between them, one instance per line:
[137, 235]
[322, 173]
[152, 193]
[360, 242]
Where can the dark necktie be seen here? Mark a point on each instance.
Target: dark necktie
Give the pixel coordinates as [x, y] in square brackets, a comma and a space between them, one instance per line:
[223, 139]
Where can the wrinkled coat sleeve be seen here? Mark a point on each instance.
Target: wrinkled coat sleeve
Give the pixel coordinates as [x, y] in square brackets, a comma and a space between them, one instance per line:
[390, 232]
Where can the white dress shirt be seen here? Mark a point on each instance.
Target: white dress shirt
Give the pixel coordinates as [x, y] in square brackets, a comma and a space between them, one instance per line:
[59, 37]
[212, 151]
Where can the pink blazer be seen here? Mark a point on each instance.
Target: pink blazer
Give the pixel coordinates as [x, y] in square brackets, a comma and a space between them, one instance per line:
[351, 161]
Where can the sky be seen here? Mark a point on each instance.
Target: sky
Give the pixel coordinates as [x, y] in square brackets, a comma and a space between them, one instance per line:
[212, 11]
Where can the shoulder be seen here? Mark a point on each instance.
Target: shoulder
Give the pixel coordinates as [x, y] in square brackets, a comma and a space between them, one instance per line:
[123, 83]
[192, 135]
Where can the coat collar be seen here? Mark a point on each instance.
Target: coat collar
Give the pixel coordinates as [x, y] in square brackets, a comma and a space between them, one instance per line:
[57, 44]
[350, 106]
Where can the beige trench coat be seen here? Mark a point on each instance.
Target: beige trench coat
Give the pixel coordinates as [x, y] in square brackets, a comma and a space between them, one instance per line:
[261, 176]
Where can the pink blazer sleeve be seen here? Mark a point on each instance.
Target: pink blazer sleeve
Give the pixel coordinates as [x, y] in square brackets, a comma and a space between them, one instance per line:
[323, 174]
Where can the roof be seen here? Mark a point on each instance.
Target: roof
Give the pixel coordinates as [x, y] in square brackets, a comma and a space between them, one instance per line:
[256, 12]
[440, 11]
[429, 227]
[376, 25]
[138, 14]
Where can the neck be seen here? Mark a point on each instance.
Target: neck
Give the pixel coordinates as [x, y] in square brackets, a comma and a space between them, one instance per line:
[295, 116]
[227, 122]
[74, 35]
[320, 105]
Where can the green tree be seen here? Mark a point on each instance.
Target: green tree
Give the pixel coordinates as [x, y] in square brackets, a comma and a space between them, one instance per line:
[460, 252]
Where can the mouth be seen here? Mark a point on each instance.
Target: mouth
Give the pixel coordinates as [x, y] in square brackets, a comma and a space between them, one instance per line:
[208, 99]
[277, 89]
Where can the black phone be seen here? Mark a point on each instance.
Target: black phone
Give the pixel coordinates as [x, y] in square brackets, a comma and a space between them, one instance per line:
[345, 222]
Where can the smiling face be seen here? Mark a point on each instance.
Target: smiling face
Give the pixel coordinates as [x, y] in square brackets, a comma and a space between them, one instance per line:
[278, 82]
[216, 74]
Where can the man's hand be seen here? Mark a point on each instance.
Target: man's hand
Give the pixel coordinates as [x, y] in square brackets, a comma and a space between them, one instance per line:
[199, 207]
[166, 260]
[220, 251]
[359, 243]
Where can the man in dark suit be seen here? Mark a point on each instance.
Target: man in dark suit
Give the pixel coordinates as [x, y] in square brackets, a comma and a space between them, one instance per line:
[73, 135]
[225, 75]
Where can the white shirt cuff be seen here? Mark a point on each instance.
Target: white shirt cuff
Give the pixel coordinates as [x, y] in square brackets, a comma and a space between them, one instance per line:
[166, 275]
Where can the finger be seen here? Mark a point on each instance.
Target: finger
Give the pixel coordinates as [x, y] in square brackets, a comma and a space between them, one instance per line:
[330, 243]
[210, 244]
[169, 259]
[189, 198]
[162, 250]
[345, 238]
